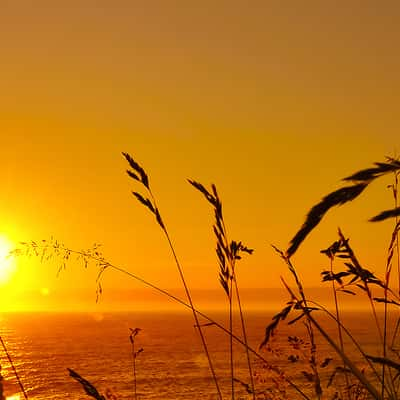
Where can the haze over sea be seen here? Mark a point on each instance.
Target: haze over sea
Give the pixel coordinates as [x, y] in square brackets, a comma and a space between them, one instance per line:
[171, 366]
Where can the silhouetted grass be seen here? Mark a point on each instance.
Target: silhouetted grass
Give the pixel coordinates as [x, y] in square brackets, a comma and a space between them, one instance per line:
[135, 354]
[138, 174]
[89, 388]
[15, 372]
[353, 277]
[346, 380]
[344, 195]
[228, 253]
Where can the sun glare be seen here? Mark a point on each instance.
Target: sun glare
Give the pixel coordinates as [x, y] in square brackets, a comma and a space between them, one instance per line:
[7, 264]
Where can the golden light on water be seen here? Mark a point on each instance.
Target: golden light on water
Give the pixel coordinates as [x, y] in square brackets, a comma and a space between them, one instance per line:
[7, 263]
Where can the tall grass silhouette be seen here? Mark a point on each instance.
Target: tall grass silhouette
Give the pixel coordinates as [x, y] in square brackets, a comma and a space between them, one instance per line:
[379, 379]
[228, 253]
[357, 277]
[137, 173]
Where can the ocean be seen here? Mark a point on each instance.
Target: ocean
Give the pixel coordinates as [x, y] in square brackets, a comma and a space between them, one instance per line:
[172, 364]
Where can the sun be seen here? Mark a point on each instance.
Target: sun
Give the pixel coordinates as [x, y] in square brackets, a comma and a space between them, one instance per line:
[7, 264]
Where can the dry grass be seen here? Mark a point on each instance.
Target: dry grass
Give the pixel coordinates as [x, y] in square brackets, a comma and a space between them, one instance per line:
[326, 376]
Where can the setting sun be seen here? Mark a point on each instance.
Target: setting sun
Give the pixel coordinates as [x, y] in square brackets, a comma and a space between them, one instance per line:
[7, 264]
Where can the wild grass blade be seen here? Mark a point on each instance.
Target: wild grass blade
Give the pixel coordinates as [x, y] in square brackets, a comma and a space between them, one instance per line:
[135, 354]
[315, 215]
[395, 212]
[7, 353]
[228, 252]
[347, 361]
[338, 317]
[151, 204]
[343, 195]
[89, 388]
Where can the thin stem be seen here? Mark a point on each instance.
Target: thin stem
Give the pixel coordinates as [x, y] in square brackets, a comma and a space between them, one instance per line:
[348, 333]
[313, 363]
[395, 196]
[395, 193]
[347, 361]
[209, 319]
[339, 327]
[134, 369]
[13, 367]
[243, 325]
[388, 270]
[189, 297]
[197, 323]
[385, 322]
[244, 336]
[1, 388]
[358, 266]
[231, 341]
[356, 372]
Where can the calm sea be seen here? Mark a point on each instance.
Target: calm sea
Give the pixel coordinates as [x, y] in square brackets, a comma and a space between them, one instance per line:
[171, 366]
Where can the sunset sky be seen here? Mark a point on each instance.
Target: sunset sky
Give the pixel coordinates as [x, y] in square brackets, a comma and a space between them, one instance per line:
[272, 101]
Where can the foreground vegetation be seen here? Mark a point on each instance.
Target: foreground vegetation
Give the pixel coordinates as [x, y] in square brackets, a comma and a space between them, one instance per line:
[326, 376]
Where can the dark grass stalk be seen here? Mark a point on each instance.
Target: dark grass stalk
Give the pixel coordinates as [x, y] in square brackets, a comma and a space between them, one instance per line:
[87, 386]
[134, 371]
[360, 181]
[231, 341]
[358, 347]
[339, 327]
[104, 265]
[385, 322]
[394, 187]
[228, 252]
[309, 325]
[135, 353]
[138, 173]
[197, 323]
[355, 371]
[1, 386]
[358, 266]
[252, 386]
[306, 310]
[366, 358]
[395, 194]
[21, 386]
[350, 336]
[396, 204]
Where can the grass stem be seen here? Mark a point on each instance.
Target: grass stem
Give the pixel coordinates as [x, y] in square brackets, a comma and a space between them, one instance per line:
[21, 386]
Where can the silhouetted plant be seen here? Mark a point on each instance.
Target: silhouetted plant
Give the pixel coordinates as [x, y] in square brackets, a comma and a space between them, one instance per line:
[361, 180]
[353, 278]
[228, 252]
[350, 280]
[20, 384]
[88, 387]
[1, 386]
[138, 174]
[135, 354]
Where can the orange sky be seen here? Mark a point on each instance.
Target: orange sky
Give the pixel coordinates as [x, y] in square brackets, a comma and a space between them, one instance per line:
[272, 102]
